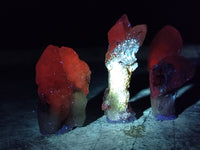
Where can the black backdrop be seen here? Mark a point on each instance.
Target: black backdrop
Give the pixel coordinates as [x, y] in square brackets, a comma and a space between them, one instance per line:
[34, 24]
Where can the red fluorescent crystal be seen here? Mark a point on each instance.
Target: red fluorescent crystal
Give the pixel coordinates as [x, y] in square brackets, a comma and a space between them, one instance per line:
[122, 30]
[59, 73]
[167, 42]
[119, 31]
[168, 70]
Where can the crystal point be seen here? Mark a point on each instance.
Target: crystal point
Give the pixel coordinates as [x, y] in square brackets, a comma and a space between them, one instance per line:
[168, 71]
[122, 37]
[124, 43]
[167, 42]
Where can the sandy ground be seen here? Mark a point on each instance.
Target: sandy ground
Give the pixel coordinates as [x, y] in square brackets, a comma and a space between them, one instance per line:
[19, 127]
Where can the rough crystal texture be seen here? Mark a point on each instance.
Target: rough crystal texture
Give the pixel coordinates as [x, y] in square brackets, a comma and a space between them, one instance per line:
[59, 74]
[123, 39]
[124, 42]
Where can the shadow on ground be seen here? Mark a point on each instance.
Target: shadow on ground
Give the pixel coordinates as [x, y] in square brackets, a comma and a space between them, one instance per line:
[139, 81]
[93, 109]
[191, 96]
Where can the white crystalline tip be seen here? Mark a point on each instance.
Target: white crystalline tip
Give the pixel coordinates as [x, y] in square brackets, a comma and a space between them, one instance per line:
[125, 51]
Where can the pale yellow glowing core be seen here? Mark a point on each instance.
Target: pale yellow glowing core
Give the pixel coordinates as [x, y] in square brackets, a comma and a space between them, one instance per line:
[117, 94]
[120, 67]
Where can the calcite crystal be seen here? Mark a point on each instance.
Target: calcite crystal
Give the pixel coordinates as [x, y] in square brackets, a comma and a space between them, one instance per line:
[168, 71]
[167, 42]
[124, 43]
[63, 81]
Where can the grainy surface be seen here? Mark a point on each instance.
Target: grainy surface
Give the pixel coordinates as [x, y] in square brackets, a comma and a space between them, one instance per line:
[19, 128]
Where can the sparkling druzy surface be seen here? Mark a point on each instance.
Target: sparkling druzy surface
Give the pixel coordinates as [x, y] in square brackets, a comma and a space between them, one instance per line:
[59, 75]
[124, 43]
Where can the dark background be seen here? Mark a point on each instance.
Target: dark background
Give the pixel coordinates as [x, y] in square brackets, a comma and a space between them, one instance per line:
[34, 24]
[28, 26]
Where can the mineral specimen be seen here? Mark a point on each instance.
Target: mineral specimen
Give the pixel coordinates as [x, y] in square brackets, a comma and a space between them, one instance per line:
[168, 72]
[63, 81]
[167, 42]
[124, 42]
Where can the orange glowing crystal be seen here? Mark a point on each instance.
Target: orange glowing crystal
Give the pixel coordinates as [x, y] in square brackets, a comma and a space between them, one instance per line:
[123, 31]
[59, 75]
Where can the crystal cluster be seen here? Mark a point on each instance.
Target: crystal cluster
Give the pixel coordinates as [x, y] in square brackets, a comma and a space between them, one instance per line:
[63, 81]
[168, 71]
[124, 43]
